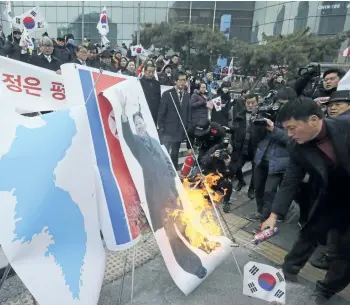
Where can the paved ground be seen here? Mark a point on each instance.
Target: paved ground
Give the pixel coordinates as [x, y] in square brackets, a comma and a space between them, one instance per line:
[154, 286]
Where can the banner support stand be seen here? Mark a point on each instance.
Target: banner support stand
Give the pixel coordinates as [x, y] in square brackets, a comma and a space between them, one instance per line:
[5, 275]
[133, 276]
[123, 278]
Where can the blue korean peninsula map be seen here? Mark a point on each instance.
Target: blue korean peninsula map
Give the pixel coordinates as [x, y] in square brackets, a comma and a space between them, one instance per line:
[28, 170]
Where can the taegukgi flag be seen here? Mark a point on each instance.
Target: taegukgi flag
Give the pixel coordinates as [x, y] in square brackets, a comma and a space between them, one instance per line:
[264, 282]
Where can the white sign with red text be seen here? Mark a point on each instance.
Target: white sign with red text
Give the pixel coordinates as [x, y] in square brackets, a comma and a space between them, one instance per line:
[30, 89]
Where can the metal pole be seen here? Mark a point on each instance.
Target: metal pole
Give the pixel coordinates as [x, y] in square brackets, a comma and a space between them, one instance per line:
[190, 12]
[138, 30]
[82, 21]
[133, 277]
[167, 13]
[214, 15]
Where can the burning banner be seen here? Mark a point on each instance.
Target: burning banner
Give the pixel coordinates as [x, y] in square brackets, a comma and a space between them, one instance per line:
[182, 219]
[119, 204]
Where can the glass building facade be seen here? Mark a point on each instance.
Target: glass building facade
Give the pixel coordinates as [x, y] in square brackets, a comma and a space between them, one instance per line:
[65, 17]
[284, 17]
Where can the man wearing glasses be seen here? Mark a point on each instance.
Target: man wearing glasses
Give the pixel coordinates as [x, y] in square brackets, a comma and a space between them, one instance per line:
[45, 59]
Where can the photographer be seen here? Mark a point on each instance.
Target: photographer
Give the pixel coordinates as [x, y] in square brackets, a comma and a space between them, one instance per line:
[311, 74]
[206, 134]
[271, 157]
[217, 161]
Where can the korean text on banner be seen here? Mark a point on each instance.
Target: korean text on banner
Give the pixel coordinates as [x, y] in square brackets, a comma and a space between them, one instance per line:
[30, 89]
[119, 204]
[161, 191]
[48, 212]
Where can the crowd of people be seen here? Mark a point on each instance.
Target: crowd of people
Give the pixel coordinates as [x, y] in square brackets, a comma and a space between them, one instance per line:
[301, 153]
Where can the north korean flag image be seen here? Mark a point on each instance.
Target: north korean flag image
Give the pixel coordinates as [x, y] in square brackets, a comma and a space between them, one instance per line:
[264, 282]
[119, 203]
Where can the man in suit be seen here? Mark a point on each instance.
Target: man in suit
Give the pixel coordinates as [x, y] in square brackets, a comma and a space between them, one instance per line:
[174, 117]
[46, 59]
[160, 189]
[321, 148]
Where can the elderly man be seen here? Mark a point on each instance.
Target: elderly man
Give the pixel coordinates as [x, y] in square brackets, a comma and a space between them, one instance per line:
[46, 59]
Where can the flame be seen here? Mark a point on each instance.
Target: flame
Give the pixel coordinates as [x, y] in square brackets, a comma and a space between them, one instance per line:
[198, 218]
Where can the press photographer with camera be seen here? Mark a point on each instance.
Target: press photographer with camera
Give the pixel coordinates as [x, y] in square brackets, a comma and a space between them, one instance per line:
[218, 161]
[271, 157]
[311, 85]
[205, 134]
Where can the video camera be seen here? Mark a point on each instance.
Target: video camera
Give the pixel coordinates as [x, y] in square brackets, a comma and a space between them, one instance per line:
[312, 69]
[267, 109]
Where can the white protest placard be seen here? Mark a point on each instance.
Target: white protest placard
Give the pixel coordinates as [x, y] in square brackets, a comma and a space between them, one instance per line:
[30, 89]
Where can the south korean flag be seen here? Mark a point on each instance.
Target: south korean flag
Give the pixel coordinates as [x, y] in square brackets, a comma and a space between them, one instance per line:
[264, 282]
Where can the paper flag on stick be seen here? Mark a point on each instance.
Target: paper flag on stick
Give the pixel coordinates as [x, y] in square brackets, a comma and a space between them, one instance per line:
[264, 282]
[344, 83]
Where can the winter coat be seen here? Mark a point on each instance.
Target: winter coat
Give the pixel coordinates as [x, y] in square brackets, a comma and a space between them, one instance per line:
[41, 61]
[170, 126]
[13, 51]
[151, 89]
[63, 54]
[273, 148]
[199, 108]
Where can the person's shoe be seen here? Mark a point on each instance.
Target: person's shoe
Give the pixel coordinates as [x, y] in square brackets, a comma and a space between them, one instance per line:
[226, 207]
[240, 184]
[256, 216]
[251, 194]
[317, 299]
[321, 262]
[201, 273]
[290, 277]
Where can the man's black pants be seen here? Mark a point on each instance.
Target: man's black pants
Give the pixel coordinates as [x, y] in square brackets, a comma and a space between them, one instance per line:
[173, 149]
[338, 274]
[266, 186]
[226, 184]
[239, 172]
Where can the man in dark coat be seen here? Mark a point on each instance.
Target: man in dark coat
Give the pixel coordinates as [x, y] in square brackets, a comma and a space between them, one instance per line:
[174, 116]
[46, 59]
[151, 89]
[12, 48]
[160, 189]
[62, 52]
[244, 142]
[321, 148]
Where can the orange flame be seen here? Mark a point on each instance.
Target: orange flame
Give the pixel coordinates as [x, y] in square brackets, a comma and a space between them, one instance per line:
[198, 216]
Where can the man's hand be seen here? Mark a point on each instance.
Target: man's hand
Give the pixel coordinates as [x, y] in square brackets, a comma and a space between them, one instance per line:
[190, 152]
[58, 72]
[270, 222]
[270, 125]
[216, 154]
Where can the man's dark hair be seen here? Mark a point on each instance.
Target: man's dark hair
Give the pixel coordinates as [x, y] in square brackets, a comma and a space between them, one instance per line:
[286, 94]
[300, 109]
[179, 74]
[148, 64]
[137, 114]
[250, 96]
[337, 71]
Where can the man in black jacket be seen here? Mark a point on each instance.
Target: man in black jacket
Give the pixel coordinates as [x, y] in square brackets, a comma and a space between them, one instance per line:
[174, 117]
[151, 89]
[321, 148]
[46, 59]
[61, 51]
